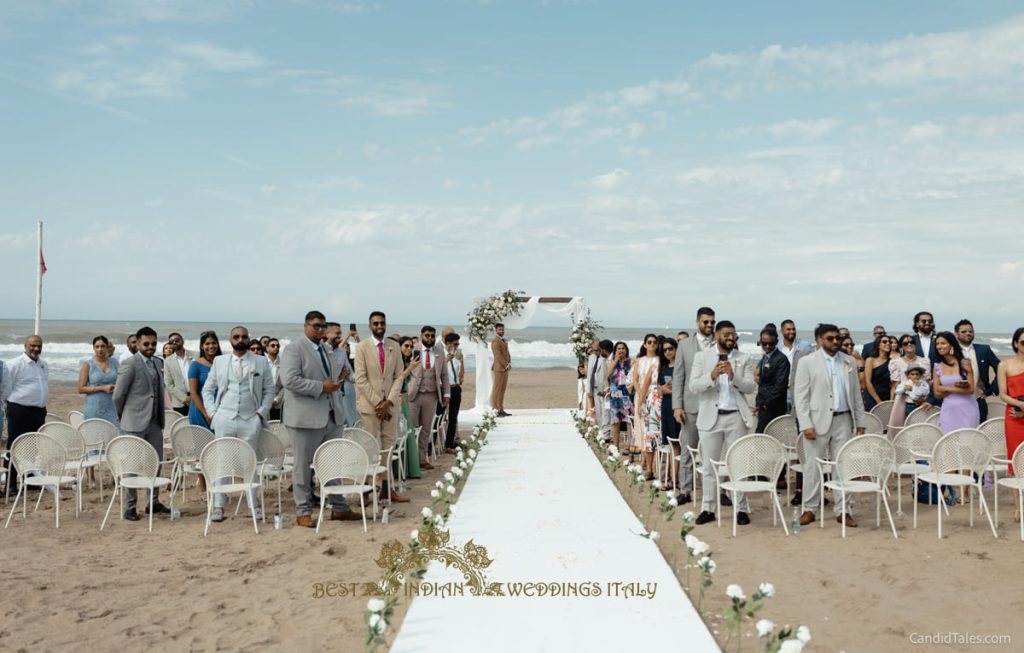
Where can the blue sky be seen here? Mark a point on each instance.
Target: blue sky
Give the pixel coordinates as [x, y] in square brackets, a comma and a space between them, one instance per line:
[249, 160]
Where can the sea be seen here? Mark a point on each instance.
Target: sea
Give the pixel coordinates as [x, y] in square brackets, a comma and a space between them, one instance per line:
[66, 343]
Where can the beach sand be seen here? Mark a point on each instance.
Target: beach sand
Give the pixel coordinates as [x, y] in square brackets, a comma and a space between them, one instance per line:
[173, 589]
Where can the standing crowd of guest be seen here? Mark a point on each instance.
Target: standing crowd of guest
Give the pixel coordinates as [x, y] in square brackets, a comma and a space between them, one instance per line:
[692, 391]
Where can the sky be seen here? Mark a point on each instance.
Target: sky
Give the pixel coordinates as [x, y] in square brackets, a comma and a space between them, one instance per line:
[251, 160]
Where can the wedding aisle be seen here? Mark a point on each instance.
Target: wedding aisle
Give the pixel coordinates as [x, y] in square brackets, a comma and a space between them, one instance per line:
[547, 513]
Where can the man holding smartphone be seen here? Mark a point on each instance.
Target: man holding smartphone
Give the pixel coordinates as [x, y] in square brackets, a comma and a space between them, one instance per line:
[429, 389]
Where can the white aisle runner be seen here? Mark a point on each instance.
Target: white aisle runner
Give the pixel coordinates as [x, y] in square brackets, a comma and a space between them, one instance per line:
[547, 512]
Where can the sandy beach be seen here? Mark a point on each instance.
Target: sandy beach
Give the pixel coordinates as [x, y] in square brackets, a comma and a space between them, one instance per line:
[173, 589]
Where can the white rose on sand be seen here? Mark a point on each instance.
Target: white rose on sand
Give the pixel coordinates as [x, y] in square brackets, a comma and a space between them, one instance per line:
[435, 494]
[472, 453]
[700, 548]
[764, 627]
[451, 509]
[414, 536]
[376, 623]
[688, 516]
[375, 605]
[707, 564]
[767, 589]
[458, 471]
[672, 501]
[791, 646]
[439, 485]
[803, 633]
[448, 476]
[468, 463]
[427, 513]
[450, 489]
[640, 479]
[735, 592]
[691, 540]
[655, 535]
[438, 521]
[656, 484]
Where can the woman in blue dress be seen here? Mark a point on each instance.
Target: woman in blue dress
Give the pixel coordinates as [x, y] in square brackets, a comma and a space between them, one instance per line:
[96, 381]
[209, 348]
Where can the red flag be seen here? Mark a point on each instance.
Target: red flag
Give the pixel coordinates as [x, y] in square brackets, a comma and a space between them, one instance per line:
[42, 261]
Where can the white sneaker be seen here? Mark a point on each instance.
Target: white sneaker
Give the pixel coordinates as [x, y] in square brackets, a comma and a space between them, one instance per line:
[217, 515]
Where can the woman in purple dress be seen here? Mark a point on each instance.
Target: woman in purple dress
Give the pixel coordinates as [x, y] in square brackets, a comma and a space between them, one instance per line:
[953, 383]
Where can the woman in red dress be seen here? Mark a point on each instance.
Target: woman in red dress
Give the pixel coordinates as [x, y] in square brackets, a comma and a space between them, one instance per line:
[1011, 390]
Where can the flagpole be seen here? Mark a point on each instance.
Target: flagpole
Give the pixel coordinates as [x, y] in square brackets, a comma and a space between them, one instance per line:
[39, 279]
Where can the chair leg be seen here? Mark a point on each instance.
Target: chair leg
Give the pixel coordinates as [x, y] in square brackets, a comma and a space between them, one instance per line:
[209, 507]
[821, 503]
[15, 506]
[113, 495]
[913, 496]
[782, 518]
[734, 509]
[842, 514]
[320, 517]
[938, 508]
[252, 508]
[151, 510]
[984, 506]
[968, 488]
[899, 494]
[362, 508]
[888, 514]
[878, 512]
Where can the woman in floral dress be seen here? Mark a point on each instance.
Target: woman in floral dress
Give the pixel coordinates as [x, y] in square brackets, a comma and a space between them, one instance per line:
[647, 433]
[618, 386]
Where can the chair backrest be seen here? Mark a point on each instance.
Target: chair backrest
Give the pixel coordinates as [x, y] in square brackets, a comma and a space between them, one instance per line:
[189, 440]
[171, 419]
[934, 418]
[783, 428]
[917, 437]
[278, 428]
[995, 430]
[872, 424]
[52, 417]
[995, 405]
[883, 411]
[961, 449]
[1018, 462]
[38, 452]
[368, 442]
[131, 455]
[97, 432]
[68, 437]
[228, 458]
[918, 416]
[269, 448]
[341, 459]
[755, 455]
[868, 456]
[75, 418]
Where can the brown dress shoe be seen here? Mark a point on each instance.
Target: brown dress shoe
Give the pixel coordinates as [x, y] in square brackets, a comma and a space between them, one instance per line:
[398, 498]
[450, 450]
[806, 518]
[426, 465]
[305, 521]
[849, 521]
[346, 515]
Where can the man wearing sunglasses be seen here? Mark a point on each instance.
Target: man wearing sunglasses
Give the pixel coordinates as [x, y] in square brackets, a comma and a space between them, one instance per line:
[829, 408]
[684, 401]
[274, 359]
[984, 364]
[314, 413]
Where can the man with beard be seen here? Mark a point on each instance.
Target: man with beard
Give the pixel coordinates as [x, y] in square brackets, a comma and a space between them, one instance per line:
[335, 342]
[984, 365]
[429, 389]
[238, 395]
[684, 401]
[773, 380]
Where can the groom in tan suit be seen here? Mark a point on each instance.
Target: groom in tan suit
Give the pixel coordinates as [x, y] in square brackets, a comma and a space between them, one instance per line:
[379, 383]
[502, 364]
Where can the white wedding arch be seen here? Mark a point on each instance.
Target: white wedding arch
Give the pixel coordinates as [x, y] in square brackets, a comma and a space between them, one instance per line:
[574, 307]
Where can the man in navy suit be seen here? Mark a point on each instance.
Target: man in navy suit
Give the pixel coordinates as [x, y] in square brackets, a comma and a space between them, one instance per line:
[984, 362]
[924, 340]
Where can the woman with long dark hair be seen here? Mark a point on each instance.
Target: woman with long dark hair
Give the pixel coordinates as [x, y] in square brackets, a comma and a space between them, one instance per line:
[619, 374]
[96, 380]
[198, 371]
[1011, 391]
[953, 383]
[878, 387]
[647, 433]
[412, 450]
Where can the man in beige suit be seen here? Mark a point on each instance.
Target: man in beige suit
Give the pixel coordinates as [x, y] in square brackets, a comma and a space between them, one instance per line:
[720, 380]
[379, 384]
[829, 408]
[176, 374]
[502, 364]
[429, 389]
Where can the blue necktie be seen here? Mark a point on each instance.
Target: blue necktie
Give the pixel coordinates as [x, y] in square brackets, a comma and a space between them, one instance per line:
[323, 359]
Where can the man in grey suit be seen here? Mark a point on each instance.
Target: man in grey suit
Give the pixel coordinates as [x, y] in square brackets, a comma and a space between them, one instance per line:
[314, 413]
[139, 402]
[429, 388]
[684, 401]
[598, 383]
[829, 408]
[721, 378]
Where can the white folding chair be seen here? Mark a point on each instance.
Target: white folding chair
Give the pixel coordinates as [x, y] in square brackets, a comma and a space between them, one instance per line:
[883, 411]
[97, 434]
[371, 445]
[53, 417]
[783, 428]
[40, 461]
[232, 459]
[278, 428]
[74, 447]
[909, 444]
[872, 424]
[863, 464]
[269, 465]
[432, 448]
[920, 415]
[188, 442]
[957, 451]
[171, 419]
[934, 417]
[1016, 482]
[134, 465]
[999, 464]
[75, 418]
[345, 461]
[747, 461]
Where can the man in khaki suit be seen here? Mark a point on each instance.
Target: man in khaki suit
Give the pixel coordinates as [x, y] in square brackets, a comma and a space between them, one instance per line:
[429, 389]
[176, 374]
[379, 384]
[502, 364]
[829, 408]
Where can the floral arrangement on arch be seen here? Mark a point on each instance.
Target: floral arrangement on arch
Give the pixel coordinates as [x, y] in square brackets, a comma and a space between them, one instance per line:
[491, 311]
[583, 334]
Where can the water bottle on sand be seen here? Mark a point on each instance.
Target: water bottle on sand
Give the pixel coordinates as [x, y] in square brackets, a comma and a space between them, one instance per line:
[794, 526]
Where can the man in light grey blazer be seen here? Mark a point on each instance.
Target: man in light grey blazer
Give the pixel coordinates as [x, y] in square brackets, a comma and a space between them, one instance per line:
[139, 402]
[684, 402]
[176, 374]
[313, 414]
[598, 381]
[829, 409]
[721, 378]
[238, 394]
[429, 388]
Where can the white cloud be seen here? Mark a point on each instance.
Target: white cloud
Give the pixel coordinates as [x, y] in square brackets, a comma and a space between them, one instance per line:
[610, 181]
[924, 131]
[806, 130]
[219, 59]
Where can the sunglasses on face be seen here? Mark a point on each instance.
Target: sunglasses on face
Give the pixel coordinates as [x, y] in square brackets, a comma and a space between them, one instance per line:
[254, 349]
[239, 337]
[319, 326]
[378, 323]
[830, 338]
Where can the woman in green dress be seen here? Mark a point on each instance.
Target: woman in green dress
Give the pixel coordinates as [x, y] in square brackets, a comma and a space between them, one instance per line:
[412, 452]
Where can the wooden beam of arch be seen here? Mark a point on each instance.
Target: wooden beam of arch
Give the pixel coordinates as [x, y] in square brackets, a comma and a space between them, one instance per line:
[546, 300]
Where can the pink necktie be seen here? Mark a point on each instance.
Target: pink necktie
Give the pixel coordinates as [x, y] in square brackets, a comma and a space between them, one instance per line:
[380, 354]
[428, 359]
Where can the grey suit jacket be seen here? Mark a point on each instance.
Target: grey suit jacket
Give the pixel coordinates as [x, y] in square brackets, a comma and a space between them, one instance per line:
[260, 382]
[441, 380]
[812, 392]
[600, 375]
[278, 386]
[706, 389]
[134, 394]
[302, 375]
[177, 384]
[682, 396]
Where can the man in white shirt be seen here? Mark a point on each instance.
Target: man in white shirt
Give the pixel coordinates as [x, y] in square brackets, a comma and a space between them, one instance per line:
[176, 374]
[132, 343]
[25, 389]
[336, 343]
[237, 395]
[685, 402]
[273, 351]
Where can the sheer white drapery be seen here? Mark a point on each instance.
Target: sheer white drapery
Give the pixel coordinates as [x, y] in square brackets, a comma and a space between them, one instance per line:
[575, 309]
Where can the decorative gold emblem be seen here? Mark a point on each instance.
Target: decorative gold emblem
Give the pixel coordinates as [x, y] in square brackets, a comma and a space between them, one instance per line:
[400, 562]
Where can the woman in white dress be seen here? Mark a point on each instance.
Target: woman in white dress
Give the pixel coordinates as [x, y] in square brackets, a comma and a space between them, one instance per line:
[647, 432]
